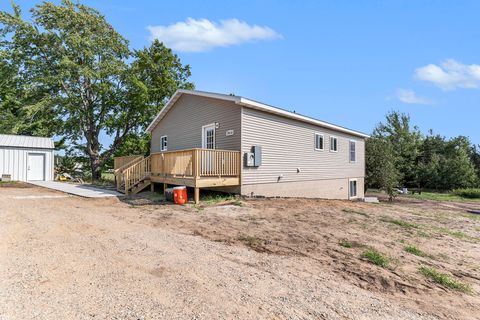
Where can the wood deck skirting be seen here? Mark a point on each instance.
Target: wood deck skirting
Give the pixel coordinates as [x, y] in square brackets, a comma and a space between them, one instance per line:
[197, 168]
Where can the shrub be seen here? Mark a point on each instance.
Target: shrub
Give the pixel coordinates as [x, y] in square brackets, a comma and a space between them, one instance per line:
[470, 193]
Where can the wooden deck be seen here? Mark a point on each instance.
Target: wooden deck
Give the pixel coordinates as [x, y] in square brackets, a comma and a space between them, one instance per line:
[197, 168]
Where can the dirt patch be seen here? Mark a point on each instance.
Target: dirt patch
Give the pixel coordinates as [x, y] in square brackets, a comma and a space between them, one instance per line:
[275, 259]
[319, 230]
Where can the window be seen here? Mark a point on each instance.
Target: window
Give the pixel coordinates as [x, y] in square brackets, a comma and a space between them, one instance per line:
[163, 143]
[353, 188]
[352, 151]
[318, 141]
[333, 144]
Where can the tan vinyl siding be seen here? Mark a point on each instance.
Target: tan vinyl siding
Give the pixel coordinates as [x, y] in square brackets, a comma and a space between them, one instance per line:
[288, 145]
[183, 124]
[325, 189]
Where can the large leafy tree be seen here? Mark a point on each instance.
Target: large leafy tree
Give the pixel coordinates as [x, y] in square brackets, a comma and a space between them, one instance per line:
[75, 68]
[381, 171]
[406, 141]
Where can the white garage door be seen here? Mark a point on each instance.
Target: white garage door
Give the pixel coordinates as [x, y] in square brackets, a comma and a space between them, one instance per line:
[36, 167]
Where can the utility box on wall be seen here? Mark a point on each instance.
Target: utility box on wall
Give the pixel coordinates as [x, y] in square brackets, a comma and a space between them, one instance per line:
[257, 156]
[254, 158]
[249, 160]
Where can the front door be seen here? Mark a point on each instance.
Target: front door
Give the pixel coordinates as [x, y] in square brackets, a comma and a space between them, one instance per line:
[208, 136]
[208, 142]
[36, 167]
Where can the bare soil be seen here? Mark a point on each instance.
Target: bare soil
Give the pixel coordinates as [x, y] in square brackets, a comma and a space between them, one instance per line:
[74, 258]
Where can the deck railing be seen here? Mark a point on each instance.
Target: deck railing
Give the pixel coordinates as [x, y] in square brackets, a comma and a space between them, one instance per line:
[189, 164]
[136, 173]
[196, 163]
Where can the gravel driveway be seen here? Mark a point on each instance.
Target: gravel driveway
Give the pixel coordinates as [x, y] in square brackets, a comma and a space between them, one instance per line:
[74, 258]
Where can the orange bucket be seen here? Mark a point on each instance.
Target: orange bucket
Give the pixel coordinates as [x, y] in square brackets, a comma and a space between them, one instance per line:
[180, 195]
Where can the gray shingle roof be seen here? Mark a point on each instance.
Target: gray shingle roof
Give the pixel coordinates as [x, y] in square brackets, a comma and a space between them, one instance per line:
[7, 140]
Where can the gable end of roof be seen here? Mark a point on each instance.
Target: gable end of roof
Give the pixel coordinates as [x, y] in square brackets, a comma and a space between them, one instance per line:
[250, 104]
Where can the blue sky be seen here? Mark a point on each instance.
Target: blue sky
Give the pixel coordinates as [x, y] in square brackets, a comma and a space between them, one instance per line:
[346, 62]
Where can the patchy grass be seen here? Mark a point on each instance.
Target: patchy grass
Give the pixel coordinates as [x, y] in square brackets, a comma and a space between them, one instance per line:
[375, 257]
[401, 223]
[444, 279]
[157, 197]
[345, 243]
[438, 197]
[416, 251]
[250, 241]
[424, 234]
[454, 233]
[212, 199]
[8, 182]
[469, 193]
[356, 212]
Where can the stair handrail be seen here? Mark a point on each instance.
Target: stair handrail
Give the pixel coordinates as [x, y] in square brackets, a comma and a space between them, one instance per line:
[136, 173]
[129, 164]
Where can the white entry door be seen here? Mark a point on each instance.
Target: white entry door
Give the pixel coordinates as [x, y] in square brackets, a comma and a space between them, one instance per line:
[208, 142]
[208, 136]
[36, 167]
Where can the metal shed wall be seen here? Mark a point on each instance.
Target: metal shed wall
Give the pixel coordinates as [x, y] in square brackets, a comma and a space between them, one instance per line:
[13, 161]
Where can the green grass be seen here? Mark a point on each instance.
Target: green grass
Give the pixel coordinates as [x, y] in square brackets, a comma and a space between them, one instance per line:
[438, 197]
[454, 233]
[444, 279]
[401, 223]
[468, 193]
[8, 182]
[157, 197]
[375, 257]
[217, 198]
[250, 241]
[416, 251]
[356, 212]
[345, 243]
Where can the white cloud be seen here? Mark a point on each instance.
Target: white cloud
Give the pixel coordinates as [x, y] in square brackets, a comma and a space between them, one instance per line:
[450, 75]
[202, 35]
[410, 97]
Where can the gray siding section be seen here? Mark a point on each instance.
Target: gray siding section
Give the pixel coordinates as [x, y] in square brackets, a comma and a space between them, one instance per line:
[288, 145]
[183, 124]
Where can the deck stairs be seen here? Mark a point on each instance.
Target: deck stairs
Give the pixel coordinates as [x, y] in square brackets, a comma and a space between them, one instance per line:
[134, 176]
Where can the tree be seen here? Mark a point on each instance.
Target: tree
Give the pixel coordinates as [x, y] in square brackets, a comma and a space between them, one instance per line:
[75, 67]
[406, 141]
[381, 171]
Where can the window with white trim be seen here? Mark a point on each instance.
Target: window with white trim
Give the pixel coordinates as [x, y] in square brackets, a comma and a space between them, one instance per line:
[352, 151]
[163, 143]
[333, 144]
[353, 188]
[318, 141]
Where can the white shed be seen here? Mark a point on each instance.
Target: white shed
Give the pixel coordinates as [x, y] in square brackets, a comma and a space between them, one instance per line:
[24, 158]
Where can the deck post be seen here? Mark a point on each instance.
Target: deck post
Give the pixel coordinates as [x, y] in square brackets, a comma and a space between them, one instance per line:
[197, 195]
[164, 187]
[127, 182]
[152, 186]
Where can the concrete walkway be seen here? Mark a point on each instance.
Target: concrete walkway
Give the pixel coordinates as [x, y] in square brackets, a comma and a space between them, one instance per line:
[86, 191]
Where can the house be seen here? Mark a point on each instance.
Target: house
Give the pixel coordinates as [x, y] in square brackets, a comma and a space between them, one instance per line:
[230, 143]
[25, 158]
